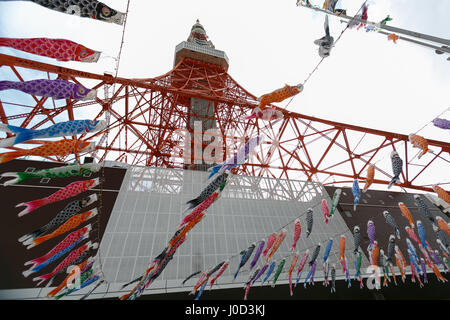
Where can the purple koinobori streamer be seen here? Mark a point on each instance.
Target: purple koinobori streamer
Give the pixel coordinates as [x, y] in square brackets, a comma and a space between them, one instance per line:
[371, 232]
[257, 253]
[260, 273]
[442, 123]
[238, 158]
[57, 89]
[311, 273]
[424, 270]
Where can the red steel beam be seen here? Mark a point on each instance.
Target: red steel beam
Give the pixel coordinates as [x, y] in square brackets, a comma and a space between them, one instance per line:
[163, 112]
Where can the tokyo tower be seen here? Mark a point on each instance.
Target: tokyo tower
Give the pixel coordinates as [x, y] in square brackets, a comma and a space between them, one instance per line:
[197, 108]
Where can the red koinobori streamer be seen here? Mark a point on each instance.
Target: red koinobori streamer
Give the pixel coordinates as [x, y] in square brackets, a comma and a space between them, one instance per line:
[68, 261]
[59, 49]
[69, 191]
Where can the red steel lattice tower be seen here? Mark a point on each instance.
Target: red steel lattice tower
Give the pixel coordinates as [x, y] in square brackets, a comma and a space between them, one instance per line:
[146, 116]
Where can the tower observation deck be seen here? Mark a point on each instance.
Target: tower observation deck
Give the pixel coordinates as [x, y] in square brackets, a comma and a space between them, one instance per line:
[199, 48]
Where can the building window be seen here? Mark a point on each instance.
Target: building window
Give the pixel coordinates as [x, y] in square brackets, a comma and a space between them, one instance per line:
[45, 180]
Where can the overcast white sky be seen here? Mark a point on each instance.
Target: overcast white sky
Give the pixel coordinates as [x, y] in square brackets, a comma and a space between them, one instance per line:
[367, 81]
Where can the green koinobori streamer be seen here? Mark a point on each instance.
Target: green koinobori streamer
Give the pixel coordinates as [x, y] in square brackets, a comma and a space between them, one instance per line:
[335, 201]
[72, 170]
[278, 272]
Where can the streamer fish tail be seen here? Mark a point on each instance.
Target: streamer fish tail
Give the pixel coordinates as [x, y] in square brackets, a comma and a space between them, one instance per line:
[22, 135]
[290, 284]
[324, 268]
[8, 156]
[193, 203]
[395, 180]
[45, 277]
[437, 273]
[344, 264]
[5, 85]
[31, 205]
[38, 241]
[247, 289]
[93, 289]
[393, 273]
[18, 176]
[7, 142]
[141, 279]
[214, 170]
[32, 235]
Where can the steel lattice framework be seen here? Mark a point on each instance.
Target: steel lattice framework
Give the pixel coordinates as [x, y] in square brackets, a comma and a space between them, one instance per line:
[145, 115]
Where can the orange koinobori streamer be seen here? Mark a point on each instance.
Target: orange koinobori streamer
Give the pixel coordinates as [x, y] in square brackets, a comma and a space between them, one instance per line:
[369, 178]
[60, 148]
[71, 209]
[419, 142]
[407, 214]
[443, 225]
[185, 229]
[70, 224]
[441, 193]
[276, 96]
[280, 238]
